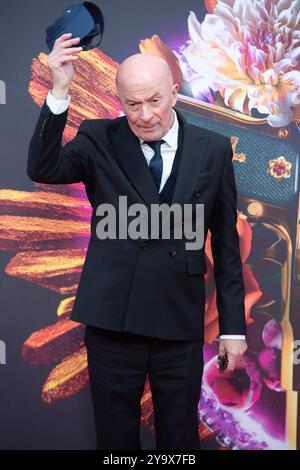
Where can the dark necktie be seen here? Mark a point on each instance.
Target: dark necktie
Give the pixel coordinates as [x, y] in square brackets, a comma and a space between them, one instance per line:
[156, 162]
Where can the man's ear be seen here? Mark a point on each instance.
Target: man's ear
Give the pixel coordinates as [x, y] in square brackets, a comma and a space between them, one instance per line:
[175, 89]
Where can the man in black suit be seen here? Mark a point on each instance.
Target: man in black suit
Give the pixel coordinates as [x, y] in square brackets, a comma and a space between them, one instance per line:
[143, 298]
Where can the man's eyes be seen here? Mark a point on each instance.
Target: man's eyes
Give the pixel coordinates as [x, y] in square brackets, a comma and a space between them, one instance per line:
[133, 105]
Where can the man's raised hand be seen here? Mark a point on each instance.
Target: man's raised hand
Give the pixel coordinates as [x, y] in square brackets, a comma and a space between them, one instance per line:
[60, 60]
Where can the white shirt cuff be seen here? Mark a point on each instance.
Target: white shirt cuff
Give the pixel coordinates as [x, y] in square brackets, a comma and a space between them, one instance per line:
[242, 337]
[57, 106]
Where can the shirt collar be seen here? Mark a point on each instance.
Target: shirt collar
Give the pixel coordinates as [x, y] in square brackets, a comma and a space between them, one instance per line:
[171, 137]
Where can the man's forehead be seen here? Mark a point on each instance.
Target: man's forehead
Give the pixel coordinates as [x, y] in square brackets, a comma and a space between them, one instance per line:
[146, 87]
[146, 96]
[138, 81]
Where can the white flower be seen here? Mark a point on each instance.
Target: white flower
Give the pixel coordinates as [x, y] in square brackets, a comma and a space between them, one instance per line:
[248, 51]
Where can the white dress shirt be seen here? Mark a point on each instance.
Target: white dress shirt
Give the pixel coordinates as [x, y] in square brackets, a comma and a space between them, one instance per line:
[168, 151]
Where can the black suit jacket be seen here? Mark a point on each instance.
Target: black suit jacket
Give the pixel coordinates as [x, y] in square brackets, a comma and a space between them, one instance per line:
[150, 287]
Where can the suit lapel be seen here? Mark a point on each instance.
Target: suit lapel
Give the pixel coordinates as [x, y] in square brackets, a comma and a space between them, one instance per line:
[133, 162]
[191, 162]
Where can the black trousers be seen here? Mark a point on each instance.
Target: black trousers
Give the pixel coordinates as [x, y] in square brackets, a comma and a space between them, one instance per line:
[118, 364]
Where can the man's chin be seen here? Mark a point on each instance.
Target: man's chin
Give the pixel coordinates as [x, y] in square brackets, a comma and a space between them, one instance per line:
[149, 134]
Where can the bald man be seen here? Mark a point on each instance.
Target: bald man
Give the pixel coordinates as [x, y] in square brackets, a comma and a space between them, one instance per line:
[142, 299]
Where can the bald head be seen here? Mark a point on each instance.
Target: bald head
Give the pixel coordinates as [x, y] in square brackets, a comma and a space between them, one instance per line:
[145, 87]
[140, 69]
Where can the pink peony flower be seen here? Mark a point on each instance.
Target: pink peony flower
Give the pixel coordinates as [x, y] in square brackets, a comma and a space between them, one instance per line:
[238, 389]
[249, 52]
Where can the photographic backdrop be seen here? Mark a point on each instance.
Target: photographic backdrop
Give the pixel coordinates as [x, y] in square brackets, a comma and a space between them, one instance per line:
[238, 65]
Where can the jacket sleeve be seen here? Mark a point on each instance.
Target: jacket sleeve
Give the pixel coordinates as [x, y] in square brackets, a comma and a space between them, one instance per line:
[228, 274]
[48, 161]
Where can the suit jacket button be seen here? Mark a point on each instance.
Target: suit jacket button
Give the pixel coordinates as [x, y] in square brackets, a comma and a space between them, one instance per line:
[173, 252]
[196, 193]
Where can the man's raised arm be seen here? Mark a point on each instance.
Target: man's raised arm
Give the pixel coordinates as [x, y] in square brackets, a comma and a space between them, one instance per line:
[49, 162]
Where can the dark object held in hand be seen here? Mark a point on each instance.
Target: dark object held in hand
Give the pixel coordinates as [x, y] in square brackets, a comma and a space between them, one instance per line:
[83, 20]
[222, 362]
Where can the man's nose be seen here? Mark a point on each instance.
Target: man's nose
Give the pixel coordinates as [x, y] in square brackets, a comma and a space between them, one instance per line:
[146, 113]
